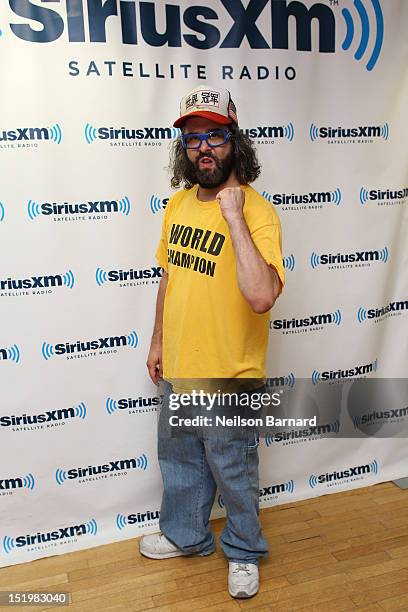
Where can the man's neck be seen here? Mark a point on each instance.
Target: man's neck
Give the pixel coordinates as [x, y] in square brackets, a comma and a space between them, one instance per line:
[205, 194]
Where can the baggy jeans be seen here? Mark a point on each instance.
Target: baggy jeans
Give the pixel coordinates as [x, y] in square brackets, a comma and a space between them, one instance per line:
[194, 462]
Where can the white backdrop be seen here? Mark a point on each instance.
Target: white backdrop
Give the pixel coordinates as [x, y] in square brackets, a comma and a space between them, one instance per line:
[81, 202]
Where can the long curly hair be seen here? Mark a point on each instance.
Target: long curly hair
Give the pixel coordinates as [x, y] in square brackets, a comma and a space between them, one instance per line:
[246, 164]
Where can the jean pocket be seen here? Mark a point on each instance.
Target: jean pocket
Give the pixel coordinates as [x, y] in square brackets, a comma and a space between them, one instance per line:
[253, 442]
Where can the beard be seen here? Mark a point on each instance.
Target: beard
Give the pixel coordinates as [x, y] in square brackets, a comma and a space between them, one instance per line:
[215, 177]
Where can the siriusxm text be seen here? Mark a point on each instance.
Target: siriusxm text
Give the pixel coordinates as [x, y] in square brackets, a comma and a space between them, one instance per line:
[62, 533]
[266, 131]
[112, 466]
[146, 133]
[45, 417]
[33, 282]
[358, 370]
[329, 258]
[99, 206]
[91, 345]
[374, 313]
[318, 430]
[395, 413]
[352, 471]
[125, 275]
[27, 133]
[142, 517]
[140, 402]
[388, 194]
[367, 131]
[321, 319]
[317, 197]
[195, 25]
[272, 489]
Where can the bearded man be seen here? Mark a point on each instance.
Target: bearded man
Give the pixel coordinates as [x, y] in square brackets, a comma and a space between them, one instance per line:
[220, 250]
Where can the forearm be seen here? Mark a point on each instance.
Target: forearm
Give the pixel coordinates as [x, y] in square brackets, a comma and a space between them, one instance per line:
[258, 282]
[157, 334]
[154, 359]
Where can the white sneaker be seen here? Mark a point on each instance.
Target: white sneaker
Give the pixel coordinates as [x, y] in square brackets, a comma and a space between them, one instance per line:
[157, 546]
[243, 579]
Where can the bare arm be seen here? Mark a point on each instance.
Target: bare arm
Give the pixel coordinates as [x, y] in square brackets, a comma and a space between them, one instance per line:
[154, 359]
[258, 282]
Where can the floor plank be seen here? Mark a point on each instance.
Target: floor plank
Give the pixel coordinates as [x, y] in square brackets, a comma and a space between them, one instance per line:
[338, 552]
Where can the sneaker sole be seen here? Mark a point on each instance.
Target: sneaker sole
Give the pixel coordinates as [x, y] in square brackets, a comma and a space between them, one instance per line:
[243, 595]
[168, 555]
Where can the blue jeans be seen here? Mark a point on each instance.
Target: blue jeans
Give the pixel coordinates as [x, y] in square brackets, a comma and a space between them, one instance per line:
[193, 463]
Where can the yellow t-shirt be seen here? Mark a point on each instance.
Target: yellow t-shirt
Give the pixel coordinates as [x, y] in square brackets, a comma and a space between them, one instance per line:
[209, 329]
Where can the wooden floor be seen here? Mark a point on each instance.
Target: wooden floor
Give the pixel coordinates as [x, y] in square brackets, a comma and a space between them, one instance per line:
[345, 551]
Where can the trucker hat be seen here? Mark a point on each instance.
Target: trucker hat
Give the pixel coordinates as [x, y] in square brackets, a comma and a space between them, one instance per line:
[209, 102]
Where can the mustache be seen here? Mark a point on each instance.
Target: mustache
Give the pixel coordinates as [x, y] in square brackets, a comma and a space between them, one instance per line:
[208, 155]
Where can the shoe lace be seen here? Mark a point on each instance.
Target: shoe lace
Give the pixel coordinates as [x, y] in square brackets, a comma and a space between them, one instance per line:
[242, 567]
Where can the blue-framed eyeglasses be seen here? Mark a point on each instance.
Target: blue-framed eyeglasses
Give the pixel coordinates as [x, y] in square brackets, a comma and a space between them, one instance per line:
[214, 138]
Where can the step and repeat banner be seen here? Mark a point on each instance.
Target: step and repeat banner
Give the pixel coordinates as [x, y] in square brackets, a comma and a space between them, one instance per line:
[90, 89]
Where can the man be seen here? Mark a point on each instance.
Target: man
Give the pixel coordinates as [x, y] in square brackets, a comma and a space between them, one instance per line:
[220, 250]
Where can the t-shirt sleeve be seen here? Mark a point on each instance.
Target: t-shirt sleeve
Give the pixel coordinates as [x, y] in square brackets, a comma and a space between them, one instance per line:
[268, 241]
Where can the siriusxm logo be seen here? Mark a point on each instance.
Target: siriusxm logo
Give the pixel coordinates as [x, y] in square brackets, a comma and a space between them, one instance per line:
[304, 201]
[111, 468]
[72, 350]
[357, 259]
[281, 381]
[294, 436]
[275, 489]
[289, 263]
[378, 314]
[49, 418]
[382, 416]
[72, 531]
[2, 212]
[11, 353]
[90, 208]
[272, 490]
[138, 518]
[147, 133]
[356, 371]
[356, 472]
[125, 277]
[266, 134]
[133, 405]
[25, 135]
[336, 134]
[157, 204]
[383, 197]
[21, 482]
[36, 283]
[311, 323]
[201, 27]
